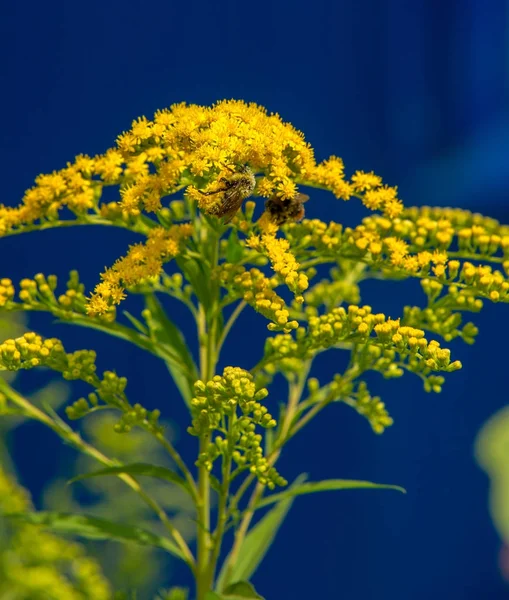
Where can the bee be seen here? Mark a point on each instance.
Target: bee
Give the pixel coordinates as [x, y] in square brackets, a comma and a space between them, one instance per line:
[290, 209]
[235, 190]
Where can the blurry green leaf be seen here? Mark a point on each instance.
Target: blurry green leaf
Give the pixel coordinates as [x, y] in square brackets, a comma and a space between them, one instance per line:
[258, 541]
[137, 469]
[326, 486]
[176, 593]
[234, 249]
[240, 590]
[97, 529]
[170, 335]
[492, 453]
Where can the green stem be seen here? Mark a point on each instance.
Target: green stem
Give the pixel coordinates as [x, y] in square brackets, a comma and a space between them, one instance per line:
[179, 462]
[222, 516]
[229, 324]
[203, 534]
[207, 333]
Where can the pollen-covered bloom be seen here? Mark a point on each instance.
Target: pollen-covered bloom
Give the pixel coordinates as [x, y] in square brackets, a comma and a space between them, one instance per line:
[142, 262]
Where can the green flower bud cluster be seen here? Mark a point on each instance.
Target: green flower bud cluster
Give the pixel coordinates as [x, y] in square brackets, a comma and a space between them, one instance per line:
[258, 291]
[110, 390]
[313, 233]
[173, 213]
[370, 407]
[442, 321]
[216, 407]
[141, 417]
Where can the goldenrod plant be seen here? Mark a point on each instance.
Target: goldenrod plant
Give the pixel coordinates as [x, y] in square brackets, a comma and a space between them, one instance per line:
[217, 196]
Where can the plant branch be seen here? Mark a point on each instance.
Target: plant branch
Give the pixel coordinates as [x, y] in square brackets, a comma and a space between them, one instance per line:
[74, 439]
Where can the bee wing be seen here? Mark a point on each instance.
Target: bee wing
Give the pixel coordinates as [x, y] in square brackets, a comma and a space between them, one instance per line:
[229, 205]
[301, 198]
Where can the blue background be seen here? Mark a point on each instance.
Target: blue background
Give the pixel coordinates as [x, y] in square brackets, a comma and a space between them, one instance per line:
[416, 91]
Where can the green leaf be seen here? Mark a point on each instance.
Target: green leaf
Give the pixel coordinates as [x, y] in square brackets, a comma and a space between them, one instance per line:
[325, 486]
[97, 529]
[234, 249]
[169, 335]
[198, 275]
[241, 589]
[258, 541]
[137, 469]
[136, 323]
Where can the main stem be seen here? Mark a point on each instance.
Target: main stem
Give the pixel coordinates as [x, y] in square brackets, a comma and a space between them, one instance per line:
[207, 332]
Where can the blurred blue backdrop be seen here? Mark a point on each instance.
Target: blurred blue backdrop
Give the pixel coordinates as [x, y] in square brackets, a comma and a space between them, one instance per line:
[417, 91]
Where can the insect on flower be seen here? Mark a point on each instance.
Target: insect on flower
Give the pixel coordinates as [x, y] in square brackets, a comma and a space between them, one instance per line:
[235, 190]
[290, 209]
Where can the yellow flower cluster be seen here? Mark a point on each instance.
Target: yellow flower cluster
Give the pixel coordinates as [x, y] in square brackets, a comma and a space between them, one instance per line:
[190, 145]
[143, 261]
[378, 343]
[366, 186]
[282, 260]
[31, 350]
[258, 291]
[7, 292]
[426, 228]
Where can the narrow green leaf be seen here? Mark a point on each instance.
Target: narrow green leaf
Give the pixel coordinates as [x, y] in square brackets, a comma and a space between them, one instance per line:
[234, 249]
[136, 323]
[97, 529]
[241, 589]
[213, 596]
[215, 484]
[258, 541]
[137, 469]
[325, 486]
[198, 275]
[169, 335]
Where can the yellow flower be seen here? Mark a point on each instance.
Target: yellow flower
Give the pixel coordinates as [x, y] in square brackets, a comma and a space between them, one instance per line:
[365, 181]
[142, 262]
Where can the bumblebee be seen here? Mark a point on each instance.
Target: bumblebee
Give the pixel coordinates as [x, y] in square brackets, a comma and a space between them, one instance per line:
[282, 211]
[235, 190]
